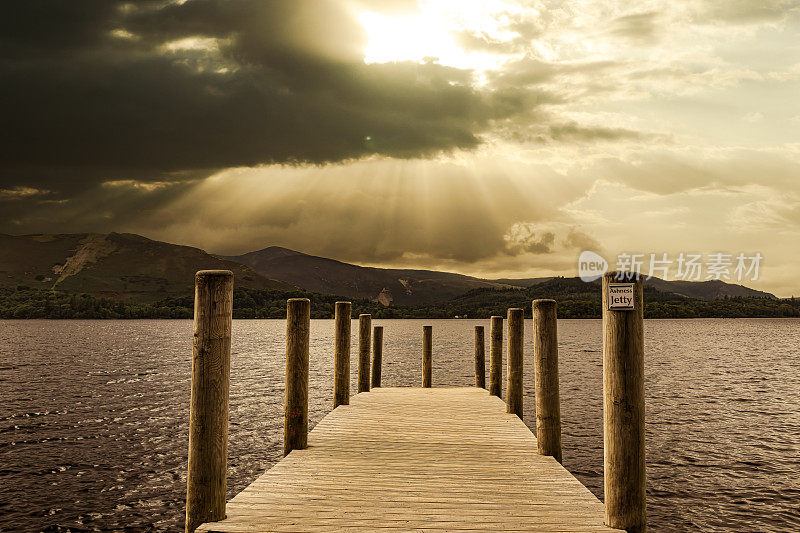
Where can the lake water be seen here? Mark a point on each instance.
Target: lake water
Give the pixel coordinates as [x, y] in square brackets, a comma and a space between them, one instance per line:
[94, 415]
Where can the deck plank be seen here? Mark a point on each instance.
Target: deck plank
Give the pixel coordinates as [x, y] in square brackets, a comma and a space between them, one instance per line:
[409, 459]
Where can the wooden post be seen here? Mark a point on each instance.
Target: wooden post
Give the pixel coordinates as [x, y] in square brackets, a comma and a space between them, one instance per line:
[623, 407]
[208, 412]
[364, 331]
[515, 350]
[496, 356]
[341, 354]
[427, 356]
[295, 413]
[377, 355]
[480, 358]
[545, 364]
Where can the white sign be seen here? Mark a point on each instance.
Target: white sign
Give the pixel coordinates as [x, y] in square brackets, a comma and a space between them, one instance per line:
[620, 296]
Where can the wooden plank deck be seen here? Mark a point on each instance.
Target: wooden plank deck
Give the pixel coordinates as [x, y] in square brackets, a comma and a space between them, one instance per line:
[410, 459]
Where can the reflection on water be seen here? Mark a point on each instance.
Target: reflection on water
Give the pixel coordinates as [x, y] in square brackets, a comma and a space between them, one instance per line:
[93, 415]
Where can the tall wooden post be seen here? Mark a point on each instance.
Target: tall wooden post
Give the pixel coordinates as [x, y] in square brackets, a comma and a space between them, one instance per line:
[377, 355]
[208, 412]
[623, 404]
[515, 350]
[480, 358]
[545, 364]
[496, 356]
[364, 333]
[427, 356]
[341, 354]
[295, 413]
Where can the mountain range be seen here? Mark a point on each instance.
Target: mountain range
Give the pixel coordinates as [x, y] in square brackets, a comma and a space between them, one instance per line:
[124, 266]
[114, 265]
[385, 285]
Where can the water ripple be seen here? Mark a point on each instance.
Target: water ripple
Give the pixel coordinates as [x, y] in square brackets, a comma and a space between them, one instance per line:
[93, 415]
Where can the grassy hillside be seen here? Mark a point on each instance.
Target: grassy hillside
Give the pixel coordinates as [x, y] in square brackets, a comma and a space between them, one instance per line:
[707, 290]
[138, 271]
[118, 266]
[385, 285]
[405, 287]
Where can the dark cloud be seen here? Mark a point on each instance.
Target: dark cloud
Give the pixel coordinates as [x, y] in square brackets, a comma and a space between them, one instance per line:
[531, 71]
[572, 131]
[525, 239]
[99, 209]
[579, 240]
[94, 91]
[639, 28]
[743, 11]
[547, 238]
[405, 211]
[542, 127]
[42, 28]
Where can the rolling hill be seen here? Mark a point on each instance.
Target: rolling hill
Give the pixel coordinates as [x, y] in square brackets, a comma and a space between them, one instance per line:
[388, 286]
[124, 266]
[114, 265]
[419, 287]
[707, 290]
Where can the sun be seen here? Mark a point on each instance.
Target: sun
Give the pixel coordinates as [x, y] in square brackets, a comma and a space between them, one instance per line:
[405, 38]
[432, 33]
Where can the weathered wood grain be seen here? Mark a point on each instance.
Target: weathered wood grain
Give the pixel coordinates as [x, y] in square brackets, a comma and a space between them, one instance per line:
[377, 355]
[341, 354]
[623, 412]
[427, 356]
[387, 462]
[545, 366]
[496, 356]
[480, 358]
[208, 412]
[516, 330]
[364, 334]
[295, 412]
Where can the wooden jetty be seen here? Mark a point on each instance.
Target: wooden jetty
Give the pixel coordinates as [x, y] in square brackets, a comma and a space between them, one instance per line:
[417, 459]
[420, 459]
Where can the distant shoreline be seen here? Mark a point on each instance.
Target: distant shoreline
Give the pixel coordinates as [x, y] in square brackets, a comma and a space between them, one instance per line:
[405, 318]
[575, 299]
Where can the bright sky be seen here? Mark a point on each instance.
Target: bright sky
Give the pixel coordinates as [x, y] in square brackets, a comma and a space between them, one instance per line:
[431, 32]
[491, 138]
[714, 84]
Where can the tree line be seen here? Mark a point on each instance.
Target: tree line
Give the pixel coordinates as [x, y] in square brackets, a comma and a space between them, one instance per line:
[574, 301]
